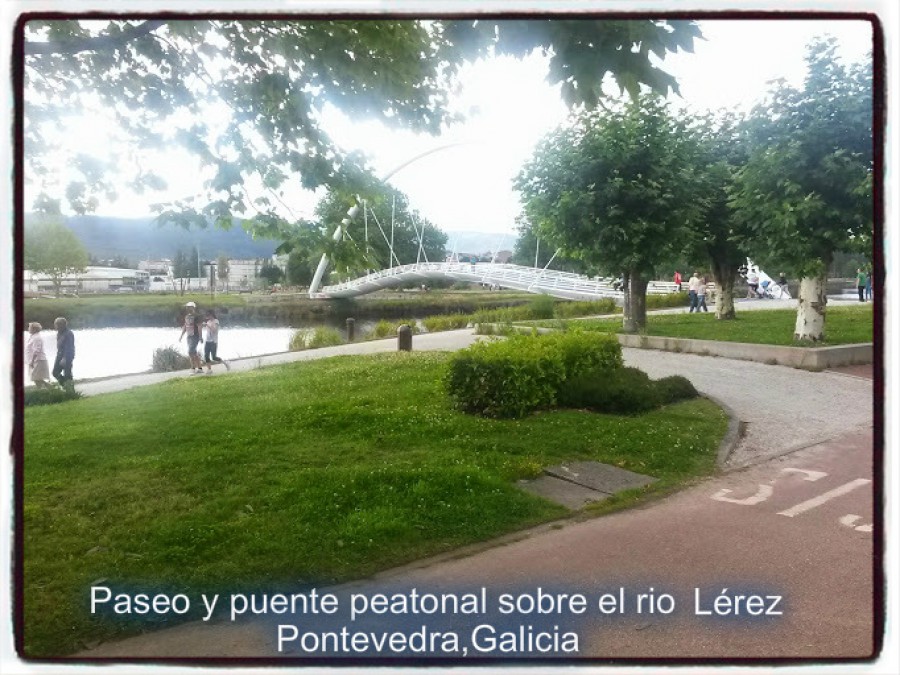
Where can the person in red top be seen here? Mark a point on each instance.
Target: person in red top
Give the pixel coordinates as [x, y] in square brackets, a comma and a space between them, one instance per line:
[678, 281]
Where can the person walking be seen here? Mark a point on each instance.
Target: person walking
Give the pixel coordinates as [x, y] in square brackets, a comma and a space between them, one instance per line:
[868, 284]
[861, 284]
[211, 344]
[65, 351]
[693, 287]
[701, 295]
[192, 328]
[782, 284]
[677, 280]
[35, 356]
[752, 284]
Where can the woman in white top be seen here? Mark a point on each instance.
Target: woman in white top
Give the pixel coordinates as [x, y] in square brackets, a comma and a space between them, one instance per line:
[35, 356]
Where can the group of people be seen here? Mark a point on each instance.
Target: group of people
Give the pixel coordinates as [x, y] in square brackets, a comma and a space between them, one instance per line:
[697, 292]
[864, 284]
[36, 358]
[194, 327]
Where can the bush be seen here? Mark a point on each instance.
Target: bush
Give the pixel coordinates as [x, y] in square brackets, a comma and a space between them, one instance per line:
[54, 394]
[667, 300]
[385, 329]
[441, 322]
[321, 336]
[565, 310]
[524, 373]
[502, 315]
[541, 307]
[167, 359]
[675, 388]
[625, 391]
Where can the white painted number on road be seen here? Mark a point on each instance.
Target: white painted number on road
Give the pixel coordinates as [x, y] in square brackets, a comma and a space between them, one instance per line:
[765, 490]
[850, 521]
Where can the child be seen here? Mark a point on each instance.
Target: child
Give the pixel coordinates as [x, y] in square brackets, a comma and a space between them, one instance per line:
[212, 342]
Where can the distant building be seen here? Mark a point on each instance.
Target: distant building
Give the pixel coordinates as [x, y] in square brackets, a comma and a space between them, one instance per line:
[92, 280]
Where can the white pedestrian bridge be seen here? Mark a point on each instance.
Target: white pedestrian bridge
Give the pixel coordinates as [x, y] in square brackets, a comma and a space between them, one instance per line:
[531, 279]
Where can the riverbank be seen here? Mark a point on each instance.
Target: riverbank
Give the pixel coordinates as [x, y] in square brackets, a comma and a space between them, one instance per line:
[262, 310]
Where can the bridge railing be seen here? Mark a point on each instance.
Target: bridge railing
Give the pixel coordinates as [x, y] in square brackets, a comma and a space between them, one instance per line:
[553, 282]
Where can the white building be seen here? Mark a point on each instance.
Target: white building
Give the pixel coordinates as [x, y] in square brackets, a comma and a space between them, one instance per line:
[92, 280]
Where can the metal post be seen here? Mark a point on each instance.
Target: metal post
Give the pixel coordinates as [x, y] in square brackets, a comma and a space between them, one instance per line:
[404, 338]
[351, 329]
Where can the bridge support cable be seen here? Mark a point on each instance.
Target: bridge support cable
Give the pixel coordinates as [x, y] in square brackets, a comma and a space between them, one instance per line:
[541, 274]
[386, 241]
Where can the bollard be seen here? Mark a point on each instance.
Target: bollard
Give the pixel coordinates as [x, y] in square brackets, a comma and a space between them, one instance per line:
[351, 326]
[404, 338]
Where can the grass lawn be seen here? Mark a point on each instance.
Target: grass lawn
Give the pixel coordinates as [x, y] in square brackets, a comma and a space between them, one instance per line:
[843, 325]
[301, 474]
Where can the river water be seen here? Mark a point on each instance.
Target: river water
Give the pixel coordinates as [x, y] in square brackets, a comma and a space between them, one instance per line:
[103, 352]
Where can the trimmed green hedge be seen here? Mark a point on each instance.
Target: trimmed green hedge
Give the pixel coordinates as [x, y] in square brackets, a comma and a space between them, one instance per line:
[624, 391]
[514, 377]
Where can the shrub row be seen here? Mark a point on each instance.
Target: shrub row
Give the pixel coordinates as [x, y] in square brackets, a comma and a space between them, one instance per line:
[315, 338]
[667, 300]
[441, 322]
[513, 377]
[385, 329]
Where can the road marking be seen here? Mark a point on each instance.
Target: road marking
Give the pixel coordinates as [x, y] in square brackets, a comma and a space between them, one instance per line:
[765, 490]
[810, 475]
[762, 494]
[821, 499]
[850, 521]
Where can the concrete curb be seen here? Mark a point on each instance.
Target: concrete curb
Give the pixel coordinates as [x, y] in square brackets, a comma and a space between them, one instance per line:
[733, 433]
[807, 358]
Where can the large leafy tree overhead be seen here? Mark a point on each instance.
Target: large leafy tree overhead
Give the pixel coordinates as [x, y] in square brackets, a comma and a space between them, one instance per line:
[805, 191]
[618, 189]
[246, 96]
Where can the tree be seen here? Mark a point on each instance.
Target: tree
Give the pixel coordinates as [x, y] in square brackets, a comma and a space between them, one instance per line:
[719, 237]
[161, 77]
[222, 268]
[271, 273]
[616, 188]
[530, 251]
[182, 265]
[51, 248]
[299, 269]
[806, 189]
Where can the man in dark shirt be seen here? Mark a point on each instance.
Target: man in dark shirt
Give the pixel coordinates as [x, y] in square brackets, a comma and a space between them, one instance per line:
[65, 351]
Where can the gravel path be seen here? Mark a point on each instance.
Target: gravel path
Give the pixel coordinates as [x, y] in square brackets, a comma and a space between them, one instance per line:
[783, 408]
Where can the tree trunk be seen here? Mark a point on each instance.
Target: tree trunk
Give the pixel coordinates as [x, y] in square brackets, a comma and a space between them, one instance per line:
[811, 309]
[724, 275]
[635, 309]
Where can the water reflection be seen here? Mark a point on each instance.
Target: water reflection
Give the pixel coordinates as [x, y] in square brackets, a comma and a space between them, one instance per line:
[119, 351]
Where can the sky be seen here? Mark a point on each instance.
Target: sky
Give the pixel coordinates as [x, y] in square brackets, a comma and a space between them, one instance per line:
[465, 183]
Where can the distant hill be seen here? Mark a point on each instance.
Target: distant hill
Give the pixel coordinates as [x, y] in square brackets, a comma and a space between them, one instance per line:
[140, 239]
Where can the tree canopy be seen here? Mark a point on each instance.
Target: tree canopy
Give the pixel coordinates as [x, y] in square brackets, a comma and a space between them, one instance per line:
[246, 96]
[617, 188]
